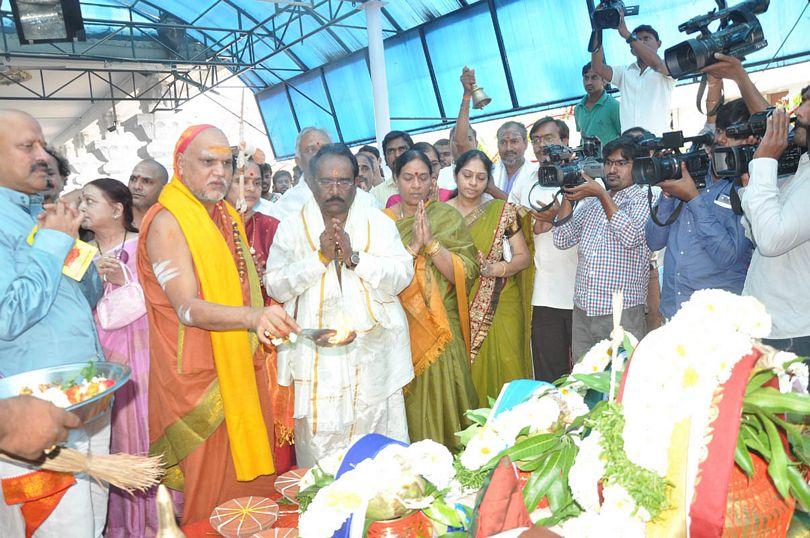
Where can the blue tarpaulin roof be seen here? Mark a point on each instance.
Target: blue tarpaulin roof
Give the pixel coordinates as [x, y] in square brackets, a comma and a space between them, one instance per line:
[309, 62]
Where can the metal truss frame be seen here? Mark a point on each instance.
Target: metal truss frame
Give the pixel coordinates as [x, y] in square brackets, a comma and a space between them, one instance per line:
[199, 64]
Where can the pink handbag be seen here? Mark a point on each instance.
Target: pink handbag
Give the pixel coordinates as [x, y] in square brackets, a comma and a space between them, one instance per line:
[121, 306]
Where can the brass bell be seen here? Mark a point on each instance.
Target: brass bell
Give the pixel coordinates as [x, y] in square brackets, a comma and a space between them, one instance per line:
[479, 98]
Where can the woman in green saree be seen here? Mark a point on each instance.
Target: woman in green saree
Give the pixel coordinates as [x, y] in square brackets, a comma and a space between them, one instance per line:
[435, 304]
[500, 299]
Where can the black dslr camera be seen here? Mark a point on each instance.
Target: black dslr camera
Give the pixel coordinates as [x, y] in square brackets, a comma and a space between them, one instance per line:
[566, 165]
[609, 13]
[740, 33]
[666, 163]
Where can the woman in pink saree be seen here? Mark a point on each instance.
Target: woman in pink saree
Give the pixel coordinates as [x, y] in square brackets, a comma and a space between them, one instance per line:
[107, 208]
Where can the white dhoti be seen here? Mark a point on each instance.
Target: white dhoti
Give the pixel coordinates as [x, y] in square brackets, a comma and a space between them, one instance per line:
[343, 393]
[386, 418]
[82, 511]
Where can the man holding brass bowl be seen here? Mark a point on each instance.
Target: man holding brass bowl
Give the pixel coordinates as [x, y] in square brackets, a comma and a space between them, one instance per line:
[339, 265]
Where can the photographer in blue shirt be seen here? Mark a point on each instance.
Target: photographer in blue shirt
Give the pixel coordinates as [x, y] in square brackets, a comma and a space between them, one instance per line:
[706, 246]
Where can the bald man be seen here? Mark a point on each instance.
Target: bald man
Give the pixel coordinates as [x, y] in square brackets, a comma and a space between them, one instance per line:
[146, 181]
[209, 407]
[45, 320]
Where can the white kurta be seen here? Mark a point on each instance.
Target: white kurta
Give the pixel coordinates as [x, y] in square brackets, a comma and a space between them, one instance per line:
[345, 392]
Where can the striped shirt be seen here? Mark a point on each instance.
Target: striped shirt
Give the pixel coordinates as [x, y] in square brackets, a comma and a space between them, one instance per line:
[613, 254]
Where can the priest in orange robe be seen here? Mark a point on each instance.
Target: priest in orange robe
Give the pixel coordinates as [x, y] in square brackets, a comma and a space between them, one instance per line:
[209, 410]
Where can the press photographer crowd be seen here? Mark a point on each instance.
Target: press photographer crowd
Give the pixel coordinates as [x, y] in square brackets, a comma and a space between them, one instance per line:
[381, 290]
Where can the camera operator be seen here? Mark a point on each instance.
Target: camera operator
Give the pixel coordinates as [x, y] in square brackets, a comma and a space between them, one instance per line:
[706, 245]
[613, 254]
[645, 86]
[777, 213]
[555, 269]
[597, 114]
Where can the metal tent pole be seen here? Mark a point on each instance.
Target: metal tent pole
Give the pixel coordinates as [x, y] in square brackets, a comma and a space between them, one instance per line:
[376, 55]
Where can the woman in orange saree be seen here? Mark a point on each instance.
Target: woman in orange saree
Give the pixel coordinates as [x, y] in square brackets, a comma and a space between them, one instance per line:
[435, 304]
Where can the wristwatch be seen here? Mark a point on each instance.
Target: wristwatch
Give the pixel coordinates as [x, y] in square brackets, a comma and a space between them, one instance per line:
[632, 37]
[354, 259]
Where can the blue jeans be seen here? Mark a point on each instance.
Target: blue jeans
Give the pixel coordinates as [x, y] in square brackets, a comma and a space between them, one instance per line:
[799, 345]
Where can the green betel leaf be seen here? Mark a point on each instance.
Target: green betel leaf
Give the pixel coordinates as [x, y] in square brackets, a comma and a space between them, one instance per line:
[439, 511]
[468, 433]
[533, 446]
[772, 401]
[541, 480]
[599, 382]
[756, 439]
[479, 416]
[759, 379]
[798, 486]
[777, 468]
[742, 457]
[799, 444]
[627, 345]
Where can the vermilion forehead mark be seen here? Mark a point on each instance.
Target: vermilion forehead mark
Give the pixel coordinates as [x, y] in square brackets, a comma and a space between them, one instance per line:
[219, 150]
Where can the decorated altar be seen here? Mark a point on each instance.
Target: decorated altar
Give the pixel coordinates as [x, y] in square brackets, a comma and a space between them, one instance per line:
[696, 430]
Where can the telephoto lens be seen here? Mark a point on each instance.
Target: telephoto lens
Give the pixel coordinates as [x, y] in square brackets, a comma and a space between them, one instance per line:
[654, 170]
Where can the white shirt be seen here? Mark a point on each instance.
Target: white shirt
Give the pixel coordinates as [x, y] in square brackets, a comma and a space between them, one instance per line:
[555, 269]
[524, 174]
[264, 207]
[384, 191]
[447, 180]
[298, 195]
[645, 98]
[328, 381]
[777, 215]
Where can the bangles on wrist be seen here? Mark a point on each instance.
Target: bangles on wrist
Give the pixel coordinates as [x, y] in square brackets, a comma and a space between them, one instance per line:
[432, 248]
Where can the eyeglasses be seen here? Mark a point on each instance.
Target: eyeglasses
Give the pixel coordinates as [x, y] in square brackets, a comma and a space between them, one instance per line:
[548, 139]
[621, 163]
[340, 182]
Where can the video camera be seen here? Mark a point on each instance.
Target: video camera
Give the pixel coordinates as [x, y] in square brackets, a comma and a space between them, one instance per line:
[566, 165]
[740, 33]
[666, 163]
[609, 13]
[755, 126]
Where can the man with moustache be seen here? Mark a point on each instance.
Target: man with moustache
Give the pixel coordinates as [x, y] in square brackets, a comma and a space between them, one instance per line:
[512, 169]
[645, 85]
[375, 174]
[365, 172]
[339, 264]
[442, 145]
[45, 320]
[613, 253]
[555, 269]
[58, 171]
[145, 183]
[307, 144]
[394, 144]
[776, 210]
[209, 410]
[597, 114]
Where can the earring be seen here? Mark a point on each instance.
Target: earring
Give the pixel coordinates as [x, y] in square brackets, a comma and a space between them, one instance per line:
[115, 215]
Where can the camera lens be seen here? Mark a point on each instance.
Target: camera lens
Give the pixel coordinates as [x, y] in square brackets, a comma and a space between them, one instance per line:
[644, 169]
[689, 56]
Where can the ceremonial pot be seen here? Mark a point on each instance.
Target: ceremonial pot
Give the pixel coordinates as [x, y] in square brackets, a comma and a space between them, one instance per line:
[754, 508]
[88, 410]
[413, 525]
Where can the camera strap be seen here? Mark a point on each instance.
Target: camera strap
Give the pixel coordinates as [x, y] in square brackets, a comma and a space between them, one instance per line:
[736, 202]
[702, 89]
[654, 210]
